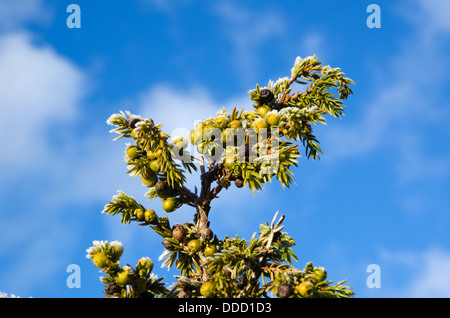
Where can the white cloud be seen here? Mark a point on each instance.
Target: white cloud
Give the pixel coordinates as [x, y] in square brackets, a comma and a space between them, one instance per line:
[38, 87]
[403, 104]
[40, 90]
[179, 109]
[432, 15]
[416, 164]
[434, 279]
[15, 13]
[314, 42]
[247, 34]
[161, 5]
[165, 6]
[40, 258]
[176, 108]
[428, 272]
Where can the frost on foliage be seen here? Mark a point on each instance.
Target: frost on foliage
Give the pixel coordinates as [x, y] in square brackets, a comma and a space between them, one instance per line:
[235, 150]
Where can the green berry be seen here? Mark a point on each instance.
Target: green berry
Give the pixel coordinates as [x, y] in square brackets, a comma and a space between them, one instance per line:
[148, 183]
[169, 205]
[139, 286]
[306, 289]
[150, 215]
[151, 155]
[196, 136]
[100, 260]
[260, 124]
[273, 118]
[312, 278]
[209, 250]
[155, 166]
[149, 174]
[125, 276]
[132, 152]
[221, 122]
[145, 263]
[207, 290]
[195, 246]
[235, 124]
[263, 110]
[139, 214]
[321, 273]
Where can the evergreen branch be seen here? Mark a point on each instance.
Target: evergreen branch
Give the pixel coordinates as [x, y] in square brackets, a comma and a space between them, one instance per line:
[231, 267]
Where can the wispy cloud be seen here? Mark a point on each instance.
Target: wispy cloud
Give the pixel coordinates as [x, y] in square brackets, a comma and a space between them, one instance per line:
[15, 14]
[166, 6]
[431, 15]
[408, 99]
[247, 34]
[176, 108]
[38, 87]
[314, 43]
[428, 272]
[40, 90]
[434, 278]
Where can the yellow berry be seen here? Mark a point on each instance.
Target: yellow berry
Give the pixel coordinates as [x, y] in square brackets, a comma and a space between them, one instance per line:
[209, 250]
[194, 246]
[125, 276]
[132, 152]
[306, 289]
[100, 260]
[150, 216]
[169, 205]
[207, 289]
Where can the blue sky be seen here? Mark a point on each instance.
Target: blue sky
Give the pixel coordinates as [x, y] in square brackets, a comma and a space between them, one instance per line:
[379, 195]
